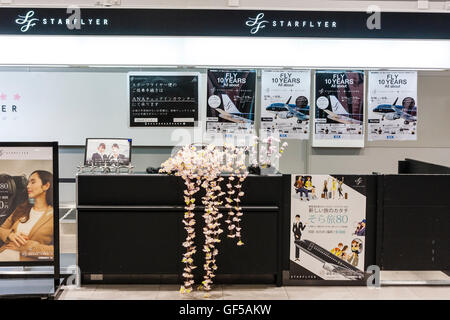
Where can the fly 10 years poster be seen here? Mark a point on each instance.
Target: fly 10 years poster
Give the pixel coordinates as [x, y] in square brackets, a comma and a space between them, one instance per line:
[339, 111]
[392, 105]
[328, 227]
[285, 99]
[231, 102]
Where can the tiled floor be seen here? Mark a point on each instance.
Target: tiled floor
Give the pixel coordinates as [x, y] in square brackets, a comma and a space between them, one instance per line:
[254, 292]
[271, 292]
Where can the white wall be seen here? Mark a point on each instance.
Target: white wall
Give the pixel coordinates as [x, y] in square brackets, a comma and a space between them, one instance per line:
[433, 144]
[213, 51]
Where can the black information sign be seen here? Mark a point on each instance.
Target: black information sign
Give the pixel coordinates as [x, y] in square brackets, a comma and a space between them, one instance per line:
[163, 100]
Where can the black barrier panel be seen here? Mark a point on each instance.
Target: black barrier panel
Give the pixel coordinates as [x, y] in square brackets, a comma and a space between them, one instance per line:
[411, 166]
[129, 242]
[415, 219]
[132, 225]
[106, 244]
[161, 189]
[371, 216]
[121, 190]
[416, 190]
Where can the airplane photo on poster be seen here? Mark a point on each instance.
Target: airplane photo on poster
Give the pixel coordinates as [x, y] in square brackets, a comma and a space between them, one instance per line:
[331, 262]
[338, 113]
[230, 112]
[394, 112]
[288, 110]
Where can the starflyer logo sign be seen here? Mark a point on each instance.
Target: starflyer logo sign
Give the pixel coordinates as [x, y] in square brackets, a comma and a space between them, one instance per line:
[259, 22]
[26, 21]
[256, 23]
[74, 21]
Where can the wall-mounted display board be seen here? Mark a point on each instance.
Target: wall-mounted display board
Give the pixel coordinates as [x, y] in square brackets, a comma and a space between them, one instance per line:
[328, 227]
[167, 99]
[285, 103]
[29, 204]
[70, 106]
[231, 104]
[392, 100]
[339, 109]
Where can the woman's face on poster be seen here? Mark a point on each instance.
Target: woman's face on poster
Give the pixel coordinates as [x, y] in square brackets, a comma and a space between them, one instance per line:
[35, 187]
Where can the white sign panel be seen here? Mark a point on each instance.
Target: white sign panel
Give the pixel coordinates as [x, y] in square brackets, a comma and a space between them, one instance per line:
[285, 103]
[392, 105]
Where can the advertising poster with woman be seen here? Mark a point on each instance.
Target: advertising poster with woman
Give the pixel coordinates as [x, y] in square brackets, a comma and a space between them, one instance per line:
[285, 103]
[26, 204]
[392, 105]
[328, 224]
[339, 108]
[230, 102]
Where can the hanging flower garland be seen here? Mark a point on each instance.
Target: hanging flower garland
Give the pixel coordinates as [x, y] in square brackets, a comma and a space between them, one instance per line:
[237, 173]
[183, 165]
[202, 168]
[211, 200]
[270, 151]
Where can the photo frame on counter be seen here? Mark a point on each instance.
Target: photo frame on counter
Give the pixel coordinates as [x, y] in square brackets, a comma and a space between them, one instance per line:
[107, 151]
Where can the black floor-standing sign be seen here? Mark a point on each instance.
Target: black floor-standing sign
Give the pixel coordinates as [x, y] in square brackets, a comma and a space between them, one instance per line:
[327, 229]
[29, 217]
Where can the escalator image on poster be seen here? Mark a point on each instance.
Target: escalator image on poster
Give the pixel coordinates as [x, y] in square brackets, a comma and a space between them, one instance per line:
[339, 105]
[231, 102]
[328, 226]
[26, 204]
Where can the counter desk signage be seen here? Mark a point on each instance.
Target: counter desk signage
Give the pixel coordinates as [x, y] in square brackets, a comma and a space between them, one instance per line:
[339, 109]
[392, 105]
[285, 98]
[28, 204]
[163, 99]
[231, 102]
[328, 223]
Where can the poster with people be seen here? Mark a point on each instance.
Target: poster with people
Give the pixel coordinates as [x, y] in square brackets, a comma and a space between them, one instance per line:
[392, 103]
[339, 108]
[230, 103]
[328, 224]
[285, 103]
[27, 200]
[107, 152]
